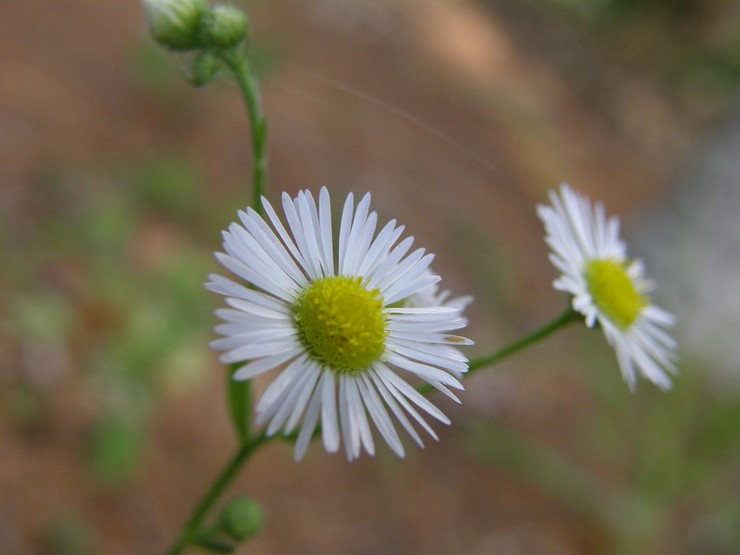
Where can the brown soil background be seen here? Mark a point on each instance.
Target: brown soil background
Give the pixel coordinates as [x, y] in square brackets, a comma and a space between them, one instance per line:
[462, 118]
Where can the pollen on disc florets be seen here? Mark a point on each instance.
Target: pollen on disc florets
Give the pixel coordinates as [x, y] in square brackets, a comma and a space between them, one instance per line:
[613, 291]
[341, 323]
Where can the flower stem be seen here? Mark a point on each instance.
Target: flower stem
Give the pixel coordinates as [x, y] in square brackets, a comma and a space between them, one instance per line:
[566, 317]
[189, 533]
[239, 396]
[246, 79]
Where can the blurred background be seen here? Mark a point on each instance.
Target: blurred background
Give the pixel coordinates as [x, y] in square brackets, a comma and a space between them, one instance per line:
[116, 178]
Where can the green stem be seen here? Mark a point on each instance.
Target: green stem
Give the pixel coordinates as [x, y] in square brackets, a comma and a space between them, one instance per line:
[228, 473]
[566, 317]
[247, 81]
[239, 398]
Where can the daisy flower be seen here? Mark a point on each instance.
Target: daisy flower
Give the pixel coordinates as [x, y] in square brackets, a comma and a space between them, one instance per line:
[335, 320]
[607, 287]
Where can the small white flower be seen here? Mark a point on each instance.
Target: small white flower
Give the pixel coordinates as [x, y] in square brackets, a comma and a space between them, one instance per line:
[608, 287]
[336, 318]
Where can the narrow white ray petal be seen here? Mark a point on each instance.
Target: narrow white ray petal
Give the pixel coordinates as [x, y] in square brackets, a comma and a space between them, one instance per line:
[309, 220]
[410, 393]
[291, 406]
[308, 427]
[447, 339]
[257, 367]
[448, 325]
[355, 238]
[434, 359]
[251, 323]
[386, 376]
[315, 371]
[325, 231]
[393, 405]
[252, 309]
[275, 287]
[379, 415]
[283, 233]
[329, 424]
[439, 350]
[348, 437]
[294, 223]
[271, 243]
[358, 224]
[424, 314]
[238, 340]
[344, 230]
[359, 418]
[378, 273]
[380, 247]
[399, 292]
[424, 371]
[279, 384]
[226, 287]
[239, 244]
[659, 316]
[443, 389]
[388, 274]
[248, 352]
[357, 252]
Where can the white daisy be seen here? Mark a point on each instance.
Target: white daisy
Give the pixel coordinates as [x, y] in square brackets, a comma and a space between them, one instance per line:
[608, 287]
[336, 320]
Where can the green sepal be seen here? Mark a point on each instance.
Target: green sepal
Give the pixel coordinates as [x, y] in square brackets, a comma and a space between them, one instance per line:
[203, 69]
[240, 403]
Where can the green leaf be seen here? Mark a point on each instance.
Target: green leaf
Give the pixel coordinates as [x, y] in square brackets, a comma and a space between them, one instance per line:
[240, 403]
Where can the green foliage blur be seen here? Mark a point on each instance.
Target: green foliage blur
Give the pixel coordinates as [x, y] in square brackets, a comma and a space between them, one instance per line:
[650, 472]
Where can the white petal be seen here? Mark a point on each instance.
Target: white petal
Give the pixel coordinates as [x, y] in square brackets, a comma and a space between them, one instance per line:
[257, 367]
[329, 425]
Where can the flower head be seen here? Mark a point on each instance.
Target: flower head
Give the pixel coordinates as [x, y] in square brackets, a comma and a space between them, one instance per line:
[175, 24]
[344, 321]
[607, 287]
[224, 26]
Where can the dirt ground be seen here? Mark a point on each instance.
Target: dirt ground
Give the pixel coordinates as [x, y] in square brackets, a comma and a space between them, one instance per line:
[458, 117]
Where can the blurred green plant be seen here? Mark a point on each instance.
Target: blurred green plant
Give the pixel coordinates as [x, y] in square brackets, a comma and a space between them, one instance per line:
[691, 47]
[69, 534]
[109, 291]
[656, 473]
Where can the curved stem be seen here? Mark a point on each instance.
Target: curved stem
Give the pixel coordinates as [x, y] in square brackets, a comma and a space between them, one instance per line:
[245, 78]
[247, 81]
[224, 479]
[566, 317]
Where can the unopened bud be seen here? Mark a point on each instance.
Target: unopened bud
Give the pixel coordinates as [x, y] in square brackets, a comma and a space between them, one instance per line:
[224, 27]
[176, 24]
[241, 518]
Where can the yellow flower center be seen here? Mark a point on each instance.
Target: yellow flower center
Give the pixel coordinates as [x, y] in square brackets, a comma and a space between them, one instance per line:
[341, 324]
[614, 292]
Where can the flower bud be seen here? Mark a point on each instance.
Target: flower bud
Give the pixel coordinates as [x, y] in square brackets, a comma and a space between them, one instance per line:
[241, 518]
[224, 27]
[175, 24]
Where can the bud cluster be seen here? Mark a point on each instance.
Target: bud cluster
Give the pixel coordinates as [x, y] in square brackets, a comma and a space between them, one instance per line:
[187, 25]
